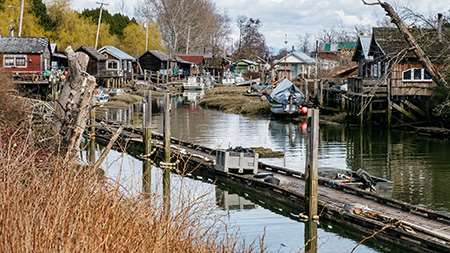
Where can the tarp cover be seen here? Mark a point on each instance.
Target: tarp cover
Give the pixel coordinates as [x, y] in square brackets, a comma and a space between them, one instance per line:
[284, 90]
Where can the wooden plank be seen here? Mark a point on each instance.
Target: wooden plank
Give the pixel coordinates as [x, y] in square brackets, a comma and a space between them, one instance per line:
[414, 107]
[403, 111]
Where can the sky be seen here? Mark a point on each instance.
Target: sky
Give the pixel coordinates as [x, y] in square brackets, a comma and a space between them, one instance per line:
[296, 17]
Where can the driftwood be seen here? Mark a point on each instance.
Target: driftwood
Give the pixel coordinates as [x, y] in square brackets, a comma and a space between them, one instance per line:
[423, 58]
[74, 103]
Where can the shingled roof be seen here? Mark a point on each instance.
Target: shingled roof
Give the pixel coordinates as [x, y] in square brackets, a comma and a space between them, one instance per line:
[391, 42]
[22, 45]
[91, 52]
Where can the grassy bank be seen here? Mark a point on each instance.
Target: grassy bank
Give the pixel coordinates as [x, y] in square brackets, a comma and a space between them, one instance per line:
[232, 100]
[48, 205]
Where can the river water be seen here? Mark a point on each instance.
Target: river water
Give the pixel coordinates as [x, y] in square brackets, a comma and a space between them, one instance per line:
[418, 167]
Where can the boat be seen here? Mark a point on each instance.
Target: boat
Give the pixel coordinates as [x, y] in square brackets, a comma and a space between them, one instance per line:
[287, 99]
[230, 78]
[101, 97]
[198, 82]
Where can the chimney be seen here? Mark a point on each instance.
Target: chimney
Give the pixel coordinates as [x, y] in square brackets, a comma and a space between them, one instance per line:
[293, 49]
[440, 24]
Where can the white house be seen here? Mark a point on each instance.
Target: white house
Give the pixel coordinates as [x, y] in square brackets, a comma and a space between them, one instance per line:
[118, 60]
[294, 65]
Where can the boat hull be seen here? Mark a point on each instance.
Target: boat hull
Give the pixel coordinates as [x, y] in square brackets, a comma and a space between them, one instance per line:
[282, 109]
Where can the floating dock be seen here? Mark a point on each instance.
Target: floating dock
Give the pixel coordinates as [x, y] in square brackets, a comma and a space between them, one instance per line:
[365, 214]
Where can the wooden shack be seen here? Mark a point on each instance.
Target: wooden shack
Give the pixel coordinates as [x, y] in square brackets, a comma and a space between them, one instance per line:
[97, 61]
[25, 55]
[391, 79]
[119, 64]
[154, 60]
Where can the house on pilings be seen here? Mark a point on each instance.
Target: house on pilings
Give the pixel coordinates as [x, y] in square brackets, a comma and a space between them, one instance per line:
[392, 83]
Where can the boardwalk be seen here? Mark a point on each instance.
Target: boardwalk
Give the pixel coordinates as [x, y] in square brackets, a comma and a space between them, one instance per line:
[391, 221]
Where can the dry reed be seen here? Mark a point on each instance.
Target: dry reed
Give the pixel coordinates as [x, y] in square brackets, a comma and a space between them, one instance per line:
[50, 206]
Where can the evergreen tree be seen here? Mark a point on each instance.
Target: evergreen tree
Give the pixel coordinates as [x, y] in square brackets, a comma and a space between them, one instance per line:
[39, 10]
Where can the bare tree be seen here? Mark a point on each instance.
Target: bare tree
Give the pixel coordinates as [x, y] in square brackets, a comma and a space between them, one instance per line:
[304, 42]
[178, 19]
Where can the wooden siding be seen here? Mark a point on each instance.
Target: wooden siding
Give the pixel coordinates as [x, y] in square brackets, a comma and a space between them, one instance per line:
[149, 62]
[34, 64]
[409, 88]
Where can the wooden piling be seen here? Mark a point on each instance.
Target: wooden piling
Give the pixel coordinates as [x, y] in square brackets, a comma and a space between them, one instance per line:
[92, 135]
[311, 171]
[167, 137]
[147, 137]
[310, 236]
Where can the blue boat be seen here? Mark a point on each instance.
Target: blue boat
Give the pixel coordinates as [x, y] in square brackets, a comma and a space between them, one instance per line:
[286, 99]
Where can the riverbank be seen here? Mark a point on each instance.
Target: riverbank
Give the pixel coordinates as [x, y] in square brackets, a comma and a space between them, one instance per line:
[53, 204]
[233, 100]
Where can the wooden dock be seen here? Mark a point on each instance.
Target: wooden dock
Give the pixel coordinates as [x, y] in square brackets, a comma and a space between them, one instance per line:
[363, 213]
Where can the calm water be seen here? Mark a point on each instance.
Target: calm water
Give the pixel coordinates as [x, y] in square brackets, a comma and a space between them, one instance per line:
[419, 168]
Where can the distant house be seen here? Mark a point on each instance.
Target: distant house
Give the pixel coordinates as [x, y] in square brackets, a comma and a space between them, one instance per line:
[294, 65]
[97, 61]
[58, 60]
[197, 59]
[25, 55]
[118, 62]
[244, 66]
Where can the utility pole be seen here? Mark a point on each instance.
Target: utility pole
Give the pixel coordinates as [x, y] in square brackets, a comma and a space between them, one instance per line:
[285, 58]
[99, 22]
[188, 39]
[22, 7]
[316, 82]
[146, 35]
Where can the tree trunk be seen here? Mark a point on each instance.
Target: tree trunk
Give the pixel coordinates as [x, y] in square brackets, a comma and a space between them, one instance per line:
[74, 104]
[429, 66]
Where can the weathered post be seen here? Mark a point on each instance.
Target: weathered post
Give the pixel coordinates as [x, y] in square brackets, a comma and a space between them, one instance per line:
[147, 136]
[92, 135]
[157, 77]
[310, 236]
[167, 137]
[311, 173]
[311, 178]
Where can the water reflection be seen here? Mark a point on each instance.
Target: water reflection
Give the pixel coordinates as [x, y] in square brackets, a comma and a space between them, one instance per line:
[229, 201]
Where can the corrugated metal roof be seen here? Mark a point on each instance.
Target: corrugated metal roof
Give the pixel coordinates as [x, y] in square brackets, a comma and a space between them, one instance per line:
[365, 43]
[302, 58]
[23, 45]
[114, 51]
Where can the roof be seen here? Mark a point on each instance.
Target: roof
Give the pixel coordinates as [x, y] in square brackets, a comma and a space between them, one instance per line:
[160, 55]
[23, 45]
[196, 59]
[117, 53]
[391, 42]
[92, 53]
[362, 47]
[181, 60]
[301, 57]
[249, 62]
[333, 47]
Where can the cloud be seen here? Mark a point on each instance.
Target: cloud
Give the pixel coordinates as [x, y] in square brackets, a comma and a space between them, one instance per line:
[296, 17]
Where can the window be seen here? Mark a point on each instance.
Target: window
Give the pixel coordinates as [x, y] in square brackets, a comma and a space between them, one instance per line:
[15, 61]
[21, 61]
[8, 61]
[412, 75]
[113, 65]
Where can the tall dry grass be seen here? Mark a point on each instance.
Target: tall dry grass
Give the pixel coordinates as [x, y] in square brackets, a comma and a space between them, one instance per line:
[49, 206]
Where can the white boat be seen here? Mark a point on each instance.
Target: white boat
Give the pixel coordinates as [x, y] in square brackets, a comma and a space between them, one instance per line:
[286, 99]
[198, 82]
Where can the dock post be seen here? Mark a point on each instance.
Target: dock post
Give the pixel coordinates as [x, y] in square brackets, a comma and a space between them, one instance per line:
[157, 77]
[92, 135]
[147, 136]
[167, 137]
[311, 173]
[311, 178]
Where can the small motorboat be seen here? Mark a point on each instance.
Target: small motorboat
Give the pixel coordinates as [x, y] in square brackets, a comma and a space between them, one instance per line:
[101, 97]
[287, 99]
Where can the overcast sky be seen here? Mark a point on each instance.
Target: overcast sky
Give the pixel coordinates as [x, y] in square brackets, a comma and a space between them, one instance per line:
[294, 17]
